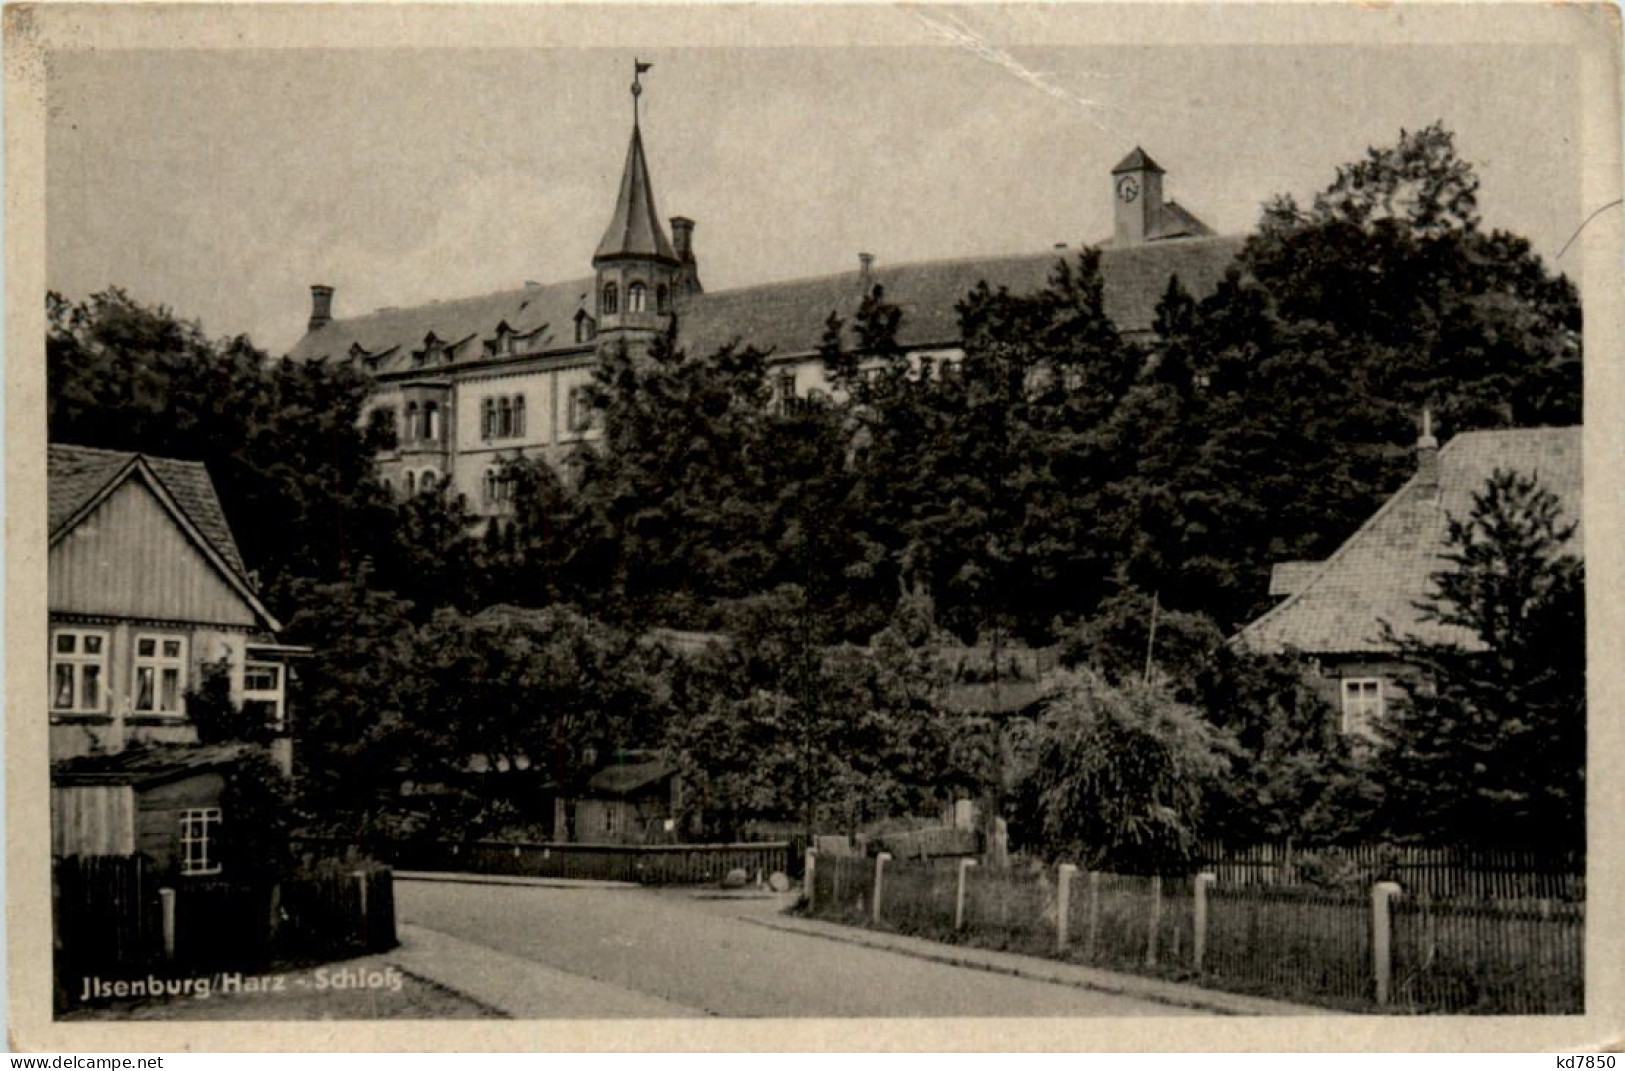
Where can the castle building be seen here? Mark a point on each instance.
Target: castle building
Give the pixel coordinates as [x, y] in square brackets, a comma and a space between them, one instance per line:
[469, 384]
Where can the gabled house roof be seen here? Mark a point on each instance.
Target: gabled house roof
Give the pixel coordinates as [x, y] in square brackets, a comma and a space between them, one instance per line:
[1385, 568]
[80, 478]
[634, 772]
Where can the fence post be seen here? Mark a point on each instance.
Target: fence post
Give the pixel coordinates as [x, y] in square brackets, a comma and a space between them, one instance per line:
[361, 889]
[167, 898]
[959, 894]
[1063, 904]
[880, 871]
[1094, 915]
[1156, 921]
[808, 871]
[1199, 918]
[1382, 934]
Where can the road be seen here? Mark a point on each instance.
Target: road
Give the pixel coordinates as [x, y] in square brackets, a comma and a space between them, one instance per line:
[671, 948]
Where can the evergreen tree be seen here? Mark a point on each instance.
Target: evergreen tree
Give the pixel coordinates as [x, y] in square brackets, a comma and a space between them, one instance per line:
[1489, 749]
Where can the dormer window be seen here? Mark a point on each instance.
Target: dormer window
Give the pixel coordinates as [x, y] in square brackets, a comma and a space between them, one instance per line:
[611, 300]
[585, 328]
[636, 297]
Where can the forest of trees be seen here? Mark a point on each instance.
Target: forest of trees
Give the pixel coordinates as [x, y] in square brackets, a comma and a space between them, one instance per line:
[1044, 491]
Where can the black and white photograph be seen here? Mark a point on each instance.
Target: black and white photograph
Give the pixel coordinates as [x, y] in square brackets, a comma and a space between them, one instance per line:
[660, 516]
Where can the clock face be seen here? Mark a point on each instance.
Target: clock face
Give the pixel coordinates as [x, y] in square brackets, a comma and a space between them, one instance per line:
[1128, 188]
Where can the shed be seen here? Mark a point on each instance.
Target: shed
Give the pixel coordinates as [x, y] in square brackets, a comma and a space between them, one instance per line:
[163, 802]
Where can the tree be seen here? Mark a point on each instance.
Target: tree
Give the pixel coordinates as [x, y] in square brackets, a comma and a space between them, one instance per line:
[1119, 776]
[1319, 351]
[283, 441]
[1489, 749]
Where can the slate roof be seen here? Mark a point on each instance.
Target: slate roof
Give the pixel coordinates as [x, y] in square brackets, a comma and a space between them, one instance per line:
[786, 317]
[145, 765]
[76, 474]
[1384, 568]
[549, 308]
[789, 317]
[634, 228]
[1138, 160]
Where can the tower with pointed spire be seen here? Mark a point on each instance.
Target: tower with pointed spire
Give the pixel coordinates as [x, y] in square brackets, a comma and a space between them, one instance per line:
[636, 267]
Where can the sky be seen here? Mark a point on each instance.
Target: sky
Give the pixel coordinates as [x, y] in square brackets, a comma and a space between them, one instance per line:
[223, 182]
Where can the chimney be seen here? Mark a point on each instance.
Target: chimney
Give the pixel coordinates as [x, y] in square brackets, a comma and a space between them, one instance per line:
[688, 268]
[1427, 453]
[866, 270]
[321, 306]
[682, 238]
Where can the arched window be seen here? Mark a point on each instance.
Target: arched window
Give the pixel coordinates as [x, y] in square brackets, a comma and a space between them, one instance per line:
[662, 298]
[411, 424]
[504, 418]
[636, 296]
[611, 300]
[411, 483]
[431, 421]
[519, 415]
[389, 484]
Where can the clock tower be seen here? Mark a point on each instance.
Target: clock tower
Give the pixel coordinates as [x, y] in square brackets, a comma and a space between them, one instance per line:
[1137, 193]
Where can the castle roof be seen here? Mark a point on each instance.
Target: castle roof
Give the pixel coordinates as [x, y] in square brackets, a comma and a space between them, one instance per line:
[1385, 567]
[787, 317]
[634, 229]
[1137, 160]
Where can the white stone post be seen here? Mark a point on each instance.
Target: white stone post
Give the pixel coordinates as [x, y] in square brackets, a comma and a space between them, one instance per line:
[1093, 931]
[1156, 921]
[361, 895]
[167, 898]
[959, 894]
[1382, 937]
[807, 877]
[1204, 881]
[1063, 903]
[880, 877]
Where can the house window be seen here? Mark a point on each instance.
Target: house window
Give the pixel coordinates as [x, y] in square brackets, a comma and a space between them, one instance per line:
[578, 412]
[636, 297]
[78, 671]
[411, 483]
[786, 391]
[200, 827]
[505, 418]
[431, 421]
[662, 298]
[490, 485]
[412, 420]
[1362, 703]
[519, 415]
[262, 692]
[584, 328]
[611, 300]
[160, 674]
[488, 418]
[611, 814]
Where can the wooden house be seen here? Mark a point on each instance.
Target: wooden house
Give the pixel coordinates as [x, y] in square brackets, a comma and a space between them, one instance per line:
[146, 589]
[1333, 611]
[634, 800]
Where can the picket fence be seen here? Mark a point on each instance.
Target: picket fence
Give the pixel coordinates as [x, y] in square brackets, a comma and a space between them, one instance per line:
[1450, 873]
[1358, 950]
